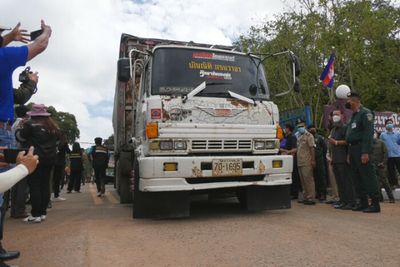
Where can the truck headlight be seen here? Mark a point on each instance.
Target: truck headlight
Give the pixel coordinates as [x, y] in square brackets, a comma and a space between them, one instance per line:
[270, 145]
[166, 145]
[259, 145]
[180, 145]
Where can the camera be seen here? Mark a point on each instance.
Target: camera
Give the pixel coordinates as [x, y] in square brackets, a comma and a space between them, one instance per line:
[36, 34]
[24, 75]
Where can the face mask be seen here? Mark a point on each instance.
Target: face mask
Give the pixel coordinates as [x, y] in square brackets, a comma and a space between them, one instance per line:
[336, 118]
[375, 136]
[347, 105]
[301, 130]
[389, 126]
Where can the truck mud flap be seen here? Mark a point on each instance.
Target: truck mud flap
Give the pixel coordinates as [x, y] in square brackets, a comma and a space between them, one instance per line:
[256, 198]
[161, 205]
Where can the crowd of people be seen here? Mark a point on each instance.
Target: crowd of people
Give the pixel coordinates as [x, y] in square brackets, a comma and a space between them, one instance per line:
[356, 160]
[44, 162]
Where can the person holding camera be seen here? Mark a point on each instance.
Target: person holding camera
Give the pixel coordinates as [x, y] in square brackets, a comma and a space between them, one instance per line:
[10, 59]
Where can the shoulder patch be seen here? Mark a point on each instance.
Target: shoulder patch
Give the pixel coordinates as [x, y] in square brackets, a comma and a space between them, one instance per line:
[370, 116]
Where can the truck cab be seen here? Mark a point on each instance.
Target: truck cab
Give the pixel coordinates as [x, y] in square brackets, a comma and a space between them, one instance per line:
[194, 118]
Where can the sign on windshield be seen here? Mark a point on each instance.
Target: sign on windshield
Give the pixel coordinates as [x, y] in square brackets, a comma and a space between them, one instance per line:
[177, 71]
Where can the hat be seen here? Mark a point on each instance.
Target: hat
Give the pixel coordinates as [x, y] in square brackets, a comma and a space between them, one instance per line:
[354, 94]
[98, 139]
[300, 122]
[38, 110]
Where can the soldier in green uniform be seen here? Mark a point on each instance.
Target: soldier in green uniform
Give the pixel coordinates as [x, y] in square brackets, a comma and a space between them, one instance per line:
[359, 136]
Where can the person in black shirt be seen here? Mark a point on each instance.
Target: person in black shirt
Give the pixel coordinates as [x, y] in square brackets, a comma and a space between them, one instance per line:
[99, 154]
[319, 170]
[76, 165]
[290, 148]
[43, 133]
[59, 168]
[338, 150]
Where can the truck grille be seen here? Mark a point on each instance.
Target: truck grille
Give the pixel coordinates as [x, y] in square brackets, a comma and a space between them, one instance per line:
[221, 145]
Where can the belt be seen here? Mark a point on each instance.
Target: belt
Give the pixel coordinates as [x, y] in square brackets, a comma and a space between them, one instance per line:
[5, 125]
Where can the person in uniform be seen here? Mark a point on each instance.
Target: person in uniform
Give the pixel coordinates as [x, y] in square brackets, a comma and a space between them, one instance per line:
[319, 170]
[290, 148]
[99, 154]
[380, 157]
[338, 148]
[359, 136]
[306, 163]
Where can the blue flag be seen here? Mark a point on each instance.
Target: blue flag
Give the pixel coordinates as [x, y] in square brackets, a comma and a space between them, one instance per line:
[328, 72]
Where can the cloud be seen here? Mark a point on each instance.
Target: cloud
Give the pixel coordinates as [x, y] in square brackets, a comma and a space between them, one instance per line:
[78, 70]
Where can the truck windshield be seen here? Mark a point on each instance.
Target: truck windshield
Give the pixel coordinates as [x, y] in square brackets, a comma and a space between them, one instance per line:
[177, 71]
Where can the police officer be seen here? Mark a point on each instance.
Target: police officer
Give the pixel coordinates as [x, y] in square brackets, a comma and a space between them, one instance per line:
[359, 136]
[306, 163]
[99, 154]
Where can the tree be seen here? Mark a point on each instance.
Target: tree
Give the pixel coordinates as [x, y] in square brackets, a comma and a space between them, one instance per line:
[364, 36]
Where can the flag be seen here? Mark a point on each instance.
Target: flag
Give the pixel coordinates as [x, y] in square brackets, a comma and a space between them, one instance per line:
[328, 72]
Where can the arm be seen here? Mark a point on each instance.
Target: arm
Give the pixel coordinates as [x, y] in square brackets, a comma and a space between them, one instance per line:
[367, 121]
[16, 34]
[26, 164]
[11, 177]
[26, 90]
[311, 144]
[40, 44]
[385, 154]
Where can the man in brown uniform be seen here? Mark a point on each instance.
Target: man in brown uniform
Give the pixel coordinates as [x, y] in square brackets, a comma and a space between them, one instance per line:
[306, 163]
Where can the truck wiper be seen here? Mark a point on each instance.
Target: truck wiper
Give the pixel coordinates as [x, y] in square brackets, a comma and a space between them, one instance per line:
[241, 97]
[201, 87]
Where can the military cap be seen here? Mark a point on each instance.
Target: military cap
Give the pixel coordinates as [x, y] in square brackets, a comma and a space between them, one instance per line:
[354, 94]
[300, 122]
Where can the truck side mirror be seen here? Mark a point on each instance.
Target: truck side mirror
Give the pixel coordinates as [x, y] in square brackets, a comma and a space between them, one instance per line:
[253, 89]
[296, 85]
[124, 70]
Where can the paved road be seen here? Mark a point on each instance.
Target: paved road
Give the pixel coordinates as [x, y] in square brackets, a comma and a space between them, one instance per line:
[89, 231]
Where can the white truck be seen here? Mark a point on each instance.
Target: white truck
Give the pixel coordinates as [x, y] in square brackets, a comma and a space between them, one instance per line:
[195, 118]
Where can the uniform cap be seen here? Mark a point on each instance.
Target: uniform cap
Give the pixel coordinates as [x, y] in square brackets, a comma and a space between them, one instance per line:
[300, 122]
[354, 94]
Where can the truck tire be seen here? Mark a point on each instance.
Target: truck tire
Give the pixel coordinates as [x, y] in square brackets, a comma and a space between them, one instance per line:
[123, 176]
[160, 205]
[257, 198]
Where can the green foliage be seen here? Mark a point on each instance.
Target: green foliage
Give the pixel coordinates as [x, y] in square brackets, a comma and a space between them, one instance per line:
[364, 35]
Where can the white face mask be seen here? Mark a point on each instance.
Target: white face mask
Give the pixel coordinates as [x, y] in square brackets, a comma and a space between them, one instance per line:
[336, 118]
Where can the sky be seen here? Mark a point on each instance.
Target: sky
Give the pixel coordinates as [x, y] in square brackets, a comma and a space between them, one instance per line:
[77, 72]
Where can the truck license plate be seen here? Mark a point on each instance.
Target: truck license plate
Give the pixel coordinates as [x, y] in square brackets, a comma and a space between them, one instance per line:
[227, 167]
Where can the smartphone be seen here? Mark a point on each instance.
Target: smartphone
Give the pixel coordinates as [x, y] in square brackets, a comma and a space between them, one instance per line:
[35, 34]
[10, 154]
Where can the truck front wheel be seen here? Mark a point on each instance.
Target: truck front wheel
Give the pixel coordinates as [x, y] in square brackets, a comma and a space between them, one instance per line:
[256, 198]
[175, 204]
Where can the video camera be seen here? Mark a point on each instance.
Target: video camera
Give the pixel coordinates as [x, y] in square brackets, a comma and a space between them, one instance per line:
[24, 75]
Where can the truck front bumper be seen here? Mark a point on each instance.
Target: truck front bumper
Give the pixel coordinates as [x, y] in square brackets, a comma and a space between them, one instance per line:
[191, 170]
